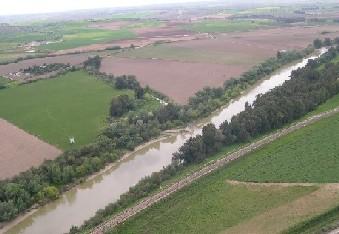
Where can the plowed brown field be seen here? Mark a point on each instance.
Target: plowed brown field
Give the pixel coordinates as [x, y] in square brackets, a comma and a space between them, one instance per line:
[178, 80]
[19, 151]
[183, 68]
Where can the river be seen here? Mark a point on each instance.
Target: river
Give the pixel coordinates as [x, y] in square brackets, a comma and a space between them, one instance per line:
[81, 203]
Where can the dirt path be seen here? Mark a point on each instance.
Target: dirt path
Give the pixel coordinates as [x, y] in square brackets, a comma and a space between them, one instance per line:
[254, 184]
[335, 231]
[281, 218]
[19, 151]
[212, 166]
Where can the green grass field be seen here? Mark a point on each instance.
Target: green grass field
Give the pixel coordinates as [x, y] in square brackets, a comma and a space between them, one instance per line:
[85, 37]
[223, 26]
[209, 206]
[74, 104]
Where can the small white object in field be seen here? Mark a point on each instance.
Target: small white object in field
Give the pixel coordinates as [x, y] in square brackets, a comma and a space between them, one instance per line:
[162, 102]
[72, 140]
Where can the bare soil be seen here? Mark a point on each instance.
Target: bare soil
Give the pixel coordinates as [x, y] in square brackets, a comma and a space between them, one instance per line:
[264, 42]
[178, 80]
[19, 151]
[235, 54]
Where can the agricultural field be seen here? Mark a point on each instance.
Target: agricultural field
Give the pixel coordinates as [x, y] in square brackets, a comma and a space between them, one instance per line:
[173, 78]
[226, 26]
[73, 105]
[86, 37]
[305, 160]
[210, 205]
[241, 46]
[219, 59]
[14, 159]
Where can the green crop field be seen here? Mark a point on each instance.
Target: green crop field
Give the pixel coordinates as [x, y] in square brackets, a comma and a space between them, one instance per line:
[74, 104]
[132, 15]
[209, 206]
[146, 23]
[308, 155]
[223, 26]
[85, 37]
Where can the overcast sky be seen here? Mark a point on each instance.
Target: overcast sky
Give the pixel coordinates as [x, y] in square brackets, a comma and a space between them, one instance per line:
[13, 7]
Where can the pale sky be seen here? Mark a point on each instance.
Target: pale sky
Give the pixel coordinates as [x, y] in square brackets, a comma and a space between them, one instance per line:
[13, 7]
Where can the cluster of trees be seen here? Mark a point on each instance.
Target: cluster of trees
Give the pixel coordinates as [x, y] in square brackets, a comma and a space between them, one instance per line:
[135, 130]
[318, 43]
[130, 82]
[128, 135]
[127, 82]
[93, 63]
[307, 89]
[121, 105]
[113, 48]
[46, 68]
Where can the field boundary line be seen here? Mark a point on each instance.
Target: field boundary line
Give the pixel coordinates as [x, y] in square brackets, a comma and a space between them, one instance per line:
[211, 167]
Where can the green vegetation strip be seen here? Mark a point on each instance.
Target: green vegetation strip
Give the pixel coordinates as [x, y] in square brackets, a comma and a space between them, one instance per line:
[85, 37]
[72, 105]
[210, 26]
